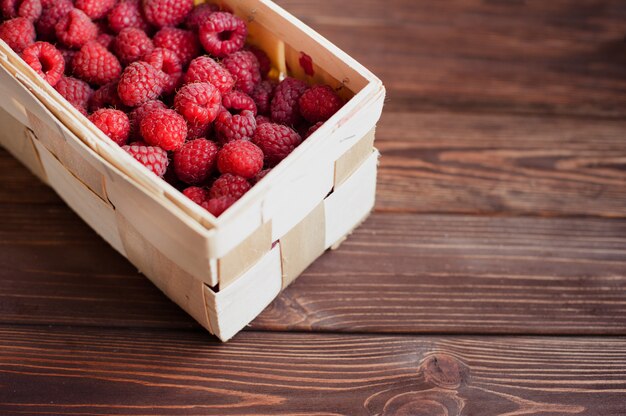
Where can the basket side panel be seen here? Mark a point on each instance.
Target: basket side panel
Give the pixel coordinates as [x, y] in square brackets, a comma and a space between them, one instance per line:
[14, 138]
[353, 159]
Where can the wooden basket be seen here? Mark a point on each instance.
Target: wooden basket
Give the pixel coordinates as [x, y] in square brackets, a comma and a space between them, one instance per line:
[223, 271]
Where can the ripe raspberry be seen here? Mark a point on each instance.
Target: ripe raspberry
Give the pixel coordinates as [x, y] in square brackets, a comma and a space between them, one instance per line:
[195, 161]
[75, 91]
[18, 33]
[95, 64]
[105, 40]
[182, 42]
[217, 206]
[29, 9]
[244, 67]
[222, 34]
[164, 128]
[261, 175]
[75, 29]
[197, 195]
[236, 101]
[106, 97]
[262, 96]
[95, 9]
[68, 58]
[137, 115]
[199, 15]
[127, 13]
[262, 120]
[167, 62]
[265, 65]
[235, 127]
[313, 129]
[131, 44]
[140, 82]
[276, 141]
[205, 69]
[46, 24]
[114, 123]
[162, 13]
[319, 103]
[199, 102]
[198, 131]
[154, 158]
[240, 157]
[46, 60]
[284, 108]
[229, 185]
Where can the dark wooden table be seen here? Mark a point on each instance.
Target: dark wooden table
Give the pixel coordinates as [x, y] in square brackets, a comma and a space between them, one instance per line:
[491, 280]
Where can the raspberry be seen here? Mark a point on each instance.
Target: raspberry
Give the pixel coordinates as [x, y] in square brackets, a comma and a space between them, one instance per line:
[127, 13]
[236, 101]
[140, 82]
[164, 128]
[199, 102]
[18, 33]
[162, 13]
[313, 129]
[319, 103]
[198, 131]
[46, 60]
[114, 123]
[217, 206]
[182, 42]
[95, 64]
[276, 141]
[105, 96]
[29, 9]
[46, 24]
[75, 91]
[95, 9]
[167, 62]
[222, 33]
[137, 115]
[265, 65]
[244, 67]
[229, 185]
[240, 157]
[261, 175]
[105, 40]
[154, 158]
[195, 161]
[205, 69]
[262, 96]
[199, 15]
[262, 120]
[131, 44]
[197, 195]
[75, 29]
[284, 108]
[235, 127]
[68, 58]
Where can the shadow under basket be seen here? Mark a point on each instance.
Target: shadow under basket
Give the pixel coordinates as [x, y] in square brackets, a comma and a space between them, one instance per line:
[223, 271]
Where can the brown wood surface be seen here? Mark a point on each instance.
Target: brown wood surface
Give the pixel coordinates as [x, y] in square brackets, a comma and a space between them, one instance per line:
[501, 212]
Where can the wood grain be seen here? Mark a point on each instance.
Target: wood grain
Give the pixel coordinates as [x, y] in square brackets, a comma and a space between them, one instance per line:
[65, 372]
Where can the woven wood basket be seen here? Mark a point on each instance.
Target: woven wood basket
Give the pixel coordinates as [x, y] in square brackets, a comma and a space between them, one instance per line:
[223, 271]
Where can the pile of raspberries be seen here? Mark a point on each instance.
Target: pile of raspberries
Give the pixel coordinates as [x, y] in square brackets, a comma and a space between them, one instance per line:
[176, 86]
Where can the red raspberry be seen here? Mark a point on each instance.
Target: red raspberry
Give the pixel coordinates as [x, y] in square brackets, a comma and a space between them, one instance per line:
[162, 13]
[164, 128]
[167, 62]
[313, 129]
[236, 101]
[205, 69]
[105, 97]
[75, 29]
[105, 40]
[154, 158]
[46, 24]
[261, 175]
[197, 195]
[244, 67]
[222, 34]
[199, 15]
[114, 123]
[217, 206]
[284, 108]
[198, 131]
[30, 9]
[276, 141]
[68, 58]
[75, 91]
[262, 96]
[199, 103]
[235, 127]
[183, 42]
[137, 115]
[319, 103]
[46, 60]
[95, 9]
[265, 65]
[195, 161]
[131, 44]
[18, 33]
[140, 82]
[95, 64]
[262, 120]
[240, 157]
[127, 13]
[229, 185]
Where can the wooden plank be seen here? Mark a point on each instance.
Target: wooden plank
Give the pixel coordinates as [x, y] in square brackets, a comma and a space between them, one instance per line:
[557, 57]
[62, 372]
